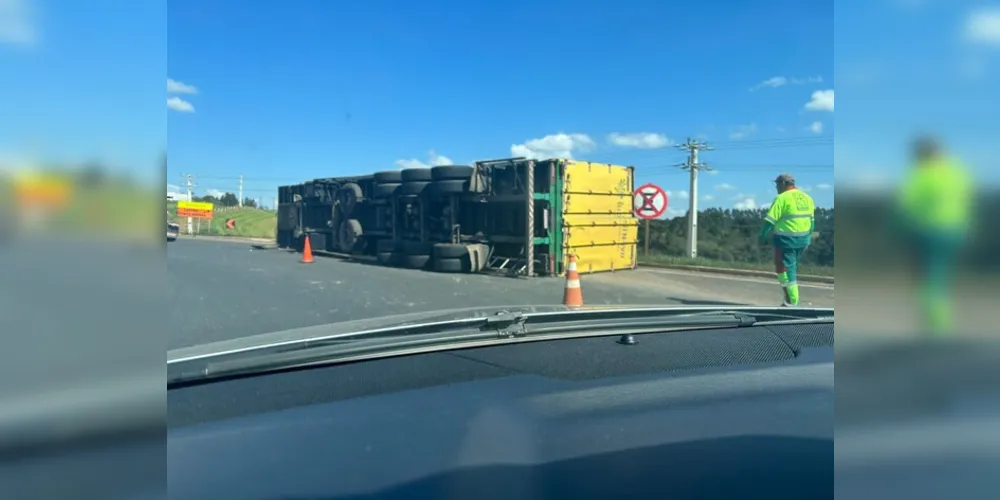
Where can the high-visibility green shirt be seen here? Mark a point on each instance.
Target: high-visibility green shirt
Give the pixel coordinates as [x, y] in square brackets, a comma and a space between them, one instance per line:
[793, 214]
[937, 196]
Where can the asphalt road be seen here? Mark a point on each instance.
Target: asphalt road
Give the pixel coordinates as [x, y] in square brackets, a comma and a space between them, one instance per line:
[222, 290]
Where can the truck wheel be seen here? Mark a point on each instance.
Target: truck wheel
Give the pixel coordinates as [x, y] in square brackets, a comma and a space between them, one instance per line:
[350, 233]
[415, 261]
[415, 188]
[388, 177]
[410, 247]
[385, 258]
[415, 175]
[348, 197]
[452, 265]
[386, 246]
[451, 172]
[453, 186]
[386, 190]
[450, 251]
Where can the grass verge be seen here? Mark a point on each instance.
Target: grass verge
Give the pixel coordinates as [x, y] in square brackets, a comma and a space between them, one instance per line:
[250, 223]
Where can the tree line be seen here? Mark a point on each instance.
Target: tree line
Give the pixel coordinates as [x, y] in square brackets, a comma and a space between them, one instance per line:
[731, 236]
[226, 200]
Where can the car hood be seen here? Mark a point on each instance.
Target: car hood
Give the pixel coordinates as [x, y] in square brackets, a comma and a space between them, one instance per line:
[348, 327]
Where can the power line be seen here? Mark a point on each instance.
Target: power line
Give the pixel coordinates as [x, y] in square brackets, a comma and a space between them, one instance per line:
[189, 185]
[693, 166]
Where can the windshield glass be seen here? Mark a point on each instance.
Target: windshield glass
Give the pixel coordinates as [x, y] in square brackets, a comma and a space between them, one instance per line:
[306, 213]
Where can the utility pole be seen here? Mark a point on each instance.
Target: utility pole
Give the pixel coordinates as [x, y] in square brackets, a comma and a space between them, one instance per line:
[693, 166]
[189, 184]
[241, 191]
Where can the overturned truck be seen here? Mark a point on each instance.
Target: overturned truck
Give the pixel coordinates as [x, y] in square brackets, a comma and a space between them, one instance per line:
[513, 216]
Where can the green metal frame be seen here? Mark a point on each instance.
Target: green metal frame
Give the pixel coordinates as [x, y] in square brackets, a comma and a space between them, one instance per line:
[554, 239]
[557, 192]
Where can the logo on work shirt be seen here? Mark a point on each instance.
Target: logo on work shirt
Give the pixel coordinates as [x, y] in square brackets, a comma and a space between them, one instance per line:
[801, 202]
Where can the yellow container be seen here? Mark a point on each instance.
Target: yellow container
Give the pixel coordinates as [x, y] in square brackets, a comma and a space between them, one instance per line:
[598, 222]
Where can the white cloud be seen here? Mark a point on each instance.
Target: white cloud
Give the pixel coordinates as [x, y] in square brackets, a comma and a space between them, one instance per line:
[708, 197]
[982, 26]
[824, 186]
[176, 87]
[822, 100]
[180, 105]
[173, 187]
[780, 81]
[748, 203]
[215, 193]
[725, 187]
[678, 194]
[712, 172]
[743, 131]
[553, 146]
[815, 127]
[17, 23]
[433, 160]
[639, 140]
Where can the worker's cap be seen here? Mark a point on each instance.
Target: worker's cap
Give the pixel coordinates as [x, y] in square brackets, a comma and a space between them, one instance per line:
[926, 145]
[784, 179]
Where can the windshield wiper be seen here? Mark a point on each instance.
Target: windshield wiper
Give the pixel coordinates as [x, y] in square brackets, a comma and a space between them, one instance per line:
[502, 326]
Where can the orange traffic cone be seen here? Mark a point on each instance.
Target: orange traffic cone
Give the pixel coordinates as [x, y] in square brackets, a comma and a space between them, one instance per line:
[307, 252]
[573, 297]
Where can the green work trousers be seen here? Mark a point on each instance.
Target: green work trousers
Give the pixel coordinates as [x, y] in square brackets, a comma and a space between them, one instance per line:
[936, 255]
[786, 265]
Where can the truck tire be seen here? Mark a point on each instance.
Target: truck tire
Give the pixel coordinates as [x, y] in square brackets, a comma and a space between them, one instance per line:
[415, 188]
[348, 197]
[350, 234]
[452, 265]
[415, 175]
[451, 172]
[386, 190]
[415, 261]
[388, 177]
[386, 258]
[453, 186]
[450, 251]
[410, 247]
[387, 246]
[336, 219]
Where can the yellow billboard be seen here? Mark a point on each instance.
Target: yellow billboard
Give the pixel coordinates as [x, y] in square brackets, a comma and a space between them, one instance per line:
[195, 209]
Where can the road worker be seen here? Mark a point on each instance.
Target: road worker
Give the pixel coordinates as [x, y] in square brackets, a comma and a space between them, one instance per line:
[933, 215]
[790, 225]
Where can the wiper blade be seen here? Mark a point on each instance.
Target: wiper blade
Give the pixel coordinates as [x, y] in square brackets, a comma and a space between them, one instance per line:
[479, 331]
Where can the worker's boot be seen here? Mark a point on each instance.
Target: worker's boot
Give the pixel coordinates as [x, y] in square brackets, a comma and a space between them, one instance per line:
[786, 299]
[791, 295]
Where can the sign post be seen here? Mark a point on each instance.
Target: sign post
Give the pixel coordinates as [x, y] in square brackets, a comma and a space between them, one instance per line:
[649, 202]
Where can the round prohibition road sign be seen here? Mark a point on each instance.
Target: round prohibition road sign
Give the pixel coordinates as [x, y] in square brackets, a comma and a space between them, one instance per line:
[649, 201]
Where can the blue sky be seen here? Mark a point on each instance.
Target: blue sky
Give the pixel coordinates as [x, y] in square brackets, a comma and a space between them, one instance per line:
[908, 66]
[333, 88]
[288, 91]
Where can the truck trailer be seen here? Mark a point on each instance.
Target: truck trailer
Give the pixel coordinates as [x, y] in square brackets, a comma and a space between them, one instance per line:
[512, 216]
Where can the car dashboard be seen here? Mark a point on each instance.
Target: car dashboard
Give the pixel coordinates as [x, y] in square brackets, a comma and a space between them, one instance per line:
[716, 413]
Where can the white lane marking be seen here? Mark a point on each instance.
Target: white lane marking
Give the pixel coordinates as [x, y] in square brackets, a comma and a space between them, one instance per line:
[745, 279]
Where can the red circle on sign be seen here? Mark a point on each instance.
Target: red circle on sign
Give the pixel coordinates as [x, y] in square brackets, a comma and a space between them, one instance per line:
[645, 197]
